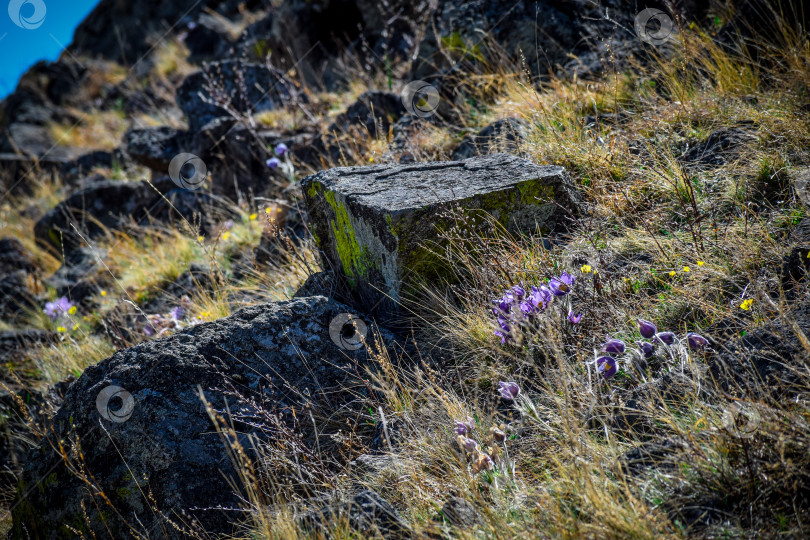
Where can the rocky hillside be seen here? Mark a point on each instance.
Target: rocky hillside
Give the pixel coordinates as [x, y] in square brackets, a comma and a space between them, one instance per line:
[409, 269]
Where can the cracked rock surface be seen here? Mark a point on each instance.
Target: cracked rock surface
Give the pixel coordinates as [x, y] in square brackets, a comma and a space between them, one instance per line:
[381, 226]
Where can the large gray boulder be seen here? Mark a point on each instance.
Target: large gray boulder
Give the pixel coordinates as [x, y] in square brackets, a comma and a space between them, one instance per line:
[260, 368]
[380, 226]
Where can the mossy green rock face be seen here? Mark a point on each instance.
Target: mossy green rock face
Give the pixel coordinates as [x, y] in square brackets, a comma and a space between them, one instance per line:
[379, 226]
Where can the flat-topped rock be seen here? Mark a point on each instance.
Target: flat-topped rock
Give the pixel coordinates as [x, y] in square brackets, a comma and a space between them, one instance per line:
[380, 226]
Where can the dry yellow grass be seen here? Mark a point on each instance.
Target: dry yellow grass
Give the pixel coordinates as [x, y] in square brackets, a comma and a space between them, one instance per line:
[695, 239]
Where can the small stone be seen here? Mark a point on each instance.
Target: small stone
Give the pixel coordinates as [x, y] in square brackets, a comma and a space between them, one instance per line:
[366, 513]
[461, 513]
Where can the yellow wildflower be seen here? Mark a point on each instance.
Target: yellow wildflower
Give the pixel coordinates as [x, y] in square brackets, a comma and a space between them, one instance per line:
[586, 269]
[72, 310]
[687, 269]
[672, 273]
[103, 293]
[200, 239]
[253, 217]
[61, 329]
[746, 305]
[700, 263]
[226, 235]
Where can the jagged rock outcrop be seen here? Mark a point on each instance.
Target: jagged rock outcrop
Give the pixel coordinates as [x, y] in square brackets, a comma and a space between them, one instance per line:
[14, 256]
[232, 87]
[23, 411]
[767, 361]
[121, 31]
[112, 205]
[547, 36]
[17, 296]
[505, 135]
[152, 448]
[315, 35]
[155, 147]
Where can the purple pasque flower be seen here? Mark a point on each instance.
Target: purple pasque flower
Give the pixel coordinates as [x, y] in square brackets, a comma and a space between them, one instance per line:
[149, 330]
[568, 279]
[528, 303]
[465, 427]
[647, 349]
[646, 328]
[614, 346]
[562, 285]
[273, 163]
[574, 319]
[505, 324]
[177, 313]
[481, 462]
[505, 333]
[504, 303]
[467, 444]
[508, 390]
[667, 338]
[696, 342]
[536, 301]
[540, 296]
[527, 308]
[281, 149]
[607, 366]
[57, 308]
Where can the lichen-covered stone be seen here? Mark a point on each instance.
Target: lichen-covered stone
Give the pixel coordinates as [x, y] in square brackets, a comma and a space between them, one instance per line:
[164, 459]
[380, 226]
